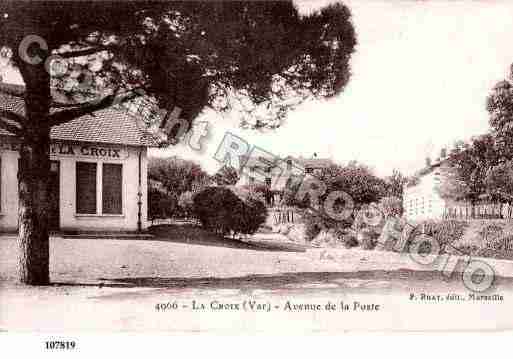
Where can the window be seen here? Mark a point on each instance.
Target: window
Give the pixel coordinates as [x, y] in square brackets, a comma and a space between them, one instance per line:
[86, 187]
[309, 170]
[112, 184]
[268, 181]
[88, 192]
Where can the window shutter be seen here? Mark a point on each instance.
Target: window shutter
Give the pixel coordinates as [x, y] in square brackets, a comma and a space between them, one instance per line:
[112, 194]
[86, 187]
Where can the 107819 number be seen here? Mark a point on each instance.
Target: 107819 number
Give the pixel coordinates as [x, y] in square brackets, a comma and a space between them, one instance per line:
[60, 345]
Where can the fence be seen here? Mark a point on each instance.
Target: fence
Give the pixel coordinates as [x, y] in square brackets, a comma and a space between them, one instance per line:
[283, 215]
[480, 211]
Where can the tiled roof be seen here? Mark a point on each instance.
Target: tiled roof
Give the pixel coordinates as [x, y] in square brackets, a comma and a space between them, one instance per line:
[315, 163]
[260, 162]
[111, 125]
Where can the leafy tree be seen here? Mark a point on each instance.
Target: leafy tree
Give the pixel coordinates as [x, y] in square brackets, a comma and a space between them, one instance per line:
[176, 175]
[372, 217]
[395, 184]
[499, 182]
[470, 167]
[357, 180]
[226, 176]
[161, 203]
[452, 185]
[500, 107]
[184, 54]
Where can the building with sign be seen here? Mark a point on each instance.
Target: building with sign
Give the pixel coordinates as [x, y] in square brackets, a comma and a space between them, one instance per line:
[98, 172]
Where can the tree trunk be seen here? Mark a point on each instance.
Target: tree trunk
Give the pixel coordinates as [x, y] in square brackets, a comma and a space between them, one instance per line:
[33, 238]
[33, 177]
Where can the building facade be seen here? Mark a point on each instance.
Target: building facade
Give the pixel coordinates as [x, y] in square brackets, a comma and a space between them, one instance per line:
[275, 175]
[98, 174]
[421, 200]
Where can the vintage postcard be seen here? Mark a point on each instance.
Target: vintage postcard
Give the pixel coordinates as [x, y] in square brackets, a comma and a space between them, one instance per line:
[255, 166]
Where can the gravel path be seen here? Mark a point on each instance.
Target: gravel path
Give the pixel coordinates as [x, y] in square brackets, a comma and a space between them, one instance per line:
[115, 284]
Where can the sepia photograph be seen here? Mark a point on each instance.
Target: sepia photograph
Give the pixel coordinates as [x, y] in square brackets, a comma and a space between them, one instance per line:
[229, 167]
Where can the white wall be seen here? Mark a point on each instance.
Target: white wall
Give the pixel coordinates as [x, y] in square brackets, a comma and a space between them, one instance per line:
[69, 219]
[9, 188]
[424, 192]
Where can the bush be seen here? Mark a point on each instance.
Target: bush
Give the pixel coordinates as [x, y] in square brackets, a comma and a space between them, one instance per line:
[467, 249]
[349, 241]
[445, 232]
[389, 240]
[161, 204]
[313, 225]
[248, 191]
[500, 249]
[391, 207]
[369, 239]
[491, 235]
[221, 211]
[186, 204]
[253, 215]
[369, 217]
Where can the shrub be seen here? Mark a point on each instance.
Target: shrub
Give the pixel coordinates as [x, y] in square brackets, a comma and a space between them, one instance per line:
[368, 239]
[313, 225]
[222, 211]
[491, 235]
[214, 206]
[252, 216]
[468, 249]
[226, 176]
[391, 207]
[445, 232]
[349, 241]
[248, 191]
[317, 221]
[369, 217]
[186, 204]
[501, 248]
[161, 204]
[389, 240]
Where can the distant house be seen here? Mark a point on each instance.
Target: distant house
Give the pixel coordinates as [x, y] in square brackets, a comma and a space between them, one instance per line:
[276, 174]
[98, 172]
[422, 198]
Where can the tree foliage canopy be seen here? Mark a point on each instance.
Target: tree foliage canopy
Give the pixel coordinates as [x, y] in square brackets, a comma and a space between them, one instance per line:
[177, 175]
[500, 107]
[469, 169]
[395, 183]
[226, 176]
[499, 182]
[189, 54]
[357, 180]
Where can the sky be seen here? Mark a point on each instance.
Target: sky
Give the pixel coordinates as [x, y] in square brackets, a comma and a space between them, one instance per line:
[420, 76]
